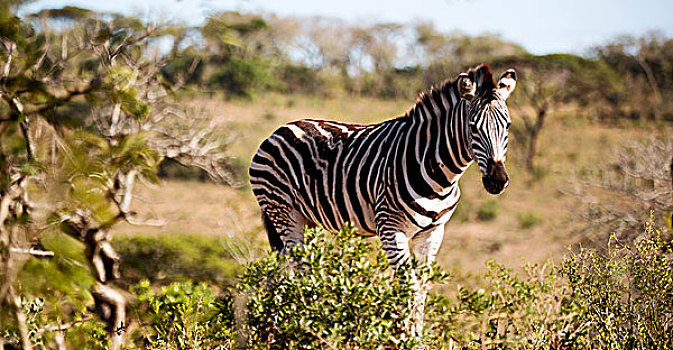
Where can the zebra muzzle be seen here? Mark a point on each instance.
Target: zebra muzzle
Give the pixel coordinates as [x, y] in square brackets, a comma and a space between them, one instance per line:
[496, 179]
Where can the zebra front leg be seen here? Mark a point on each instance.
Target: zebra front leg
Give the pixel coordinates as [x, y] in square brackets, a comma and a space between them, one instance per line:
[425, 246]
[395, 244]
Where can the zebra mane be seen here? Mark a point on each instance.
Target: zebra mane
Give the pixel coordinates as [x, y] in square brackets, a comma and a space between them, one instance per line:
[481, 75]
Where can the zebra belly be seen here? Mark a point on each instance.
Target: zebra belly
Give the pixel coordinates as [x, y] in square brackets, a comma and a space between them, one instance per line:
[357, 213]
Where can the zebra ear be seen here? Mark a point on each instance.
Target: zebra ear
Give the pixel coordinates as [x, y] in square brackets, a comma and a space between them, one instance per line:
[466, 88]
[507, 83]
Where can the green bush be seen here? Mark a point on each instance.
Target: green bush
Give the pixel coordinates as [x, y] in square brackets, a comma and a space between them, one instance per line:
[488, 210]
[504, 311]
[185, 316]
[168, 258]
[170, 169]
[299, 79]
[529, 219]
[625, 294]
[337, 292]
[243, 77]
[83, 332]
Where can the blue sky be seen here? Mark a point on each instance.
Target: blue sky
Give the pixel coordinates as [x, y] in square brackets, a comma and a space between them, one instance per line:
[541, 26]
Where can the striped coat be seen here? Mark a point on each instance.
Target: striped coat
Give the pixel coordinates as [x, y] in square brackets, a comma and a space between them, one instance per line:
[397, 179]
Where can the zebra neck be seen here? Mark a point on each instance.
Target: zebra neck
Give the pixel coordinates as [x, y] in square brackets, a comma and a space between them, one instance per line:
[440, 135]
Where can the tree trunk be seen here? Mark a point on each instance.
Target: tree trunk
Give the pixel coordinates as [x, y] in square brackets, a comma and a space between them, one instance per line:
[533, 134]
[671, 173]
[110, 304]
[653, 85]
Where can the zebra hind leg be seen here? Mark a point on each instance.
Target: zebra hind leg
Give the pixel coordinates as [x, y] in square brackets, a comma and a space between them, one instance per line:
[284, 226]
[274, 237]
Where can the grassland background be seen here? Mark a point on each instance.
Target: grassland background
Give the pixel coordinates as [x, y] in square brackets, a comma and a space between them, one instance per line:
[535, 218]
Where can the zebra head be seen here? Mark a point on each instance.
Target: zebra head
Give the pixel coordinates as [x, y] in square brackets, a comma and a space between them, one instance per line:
[489, 122]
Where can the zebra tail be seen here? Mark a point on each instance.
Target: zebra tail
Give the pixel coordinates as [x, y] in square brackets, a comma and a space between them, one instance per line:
[274, 238]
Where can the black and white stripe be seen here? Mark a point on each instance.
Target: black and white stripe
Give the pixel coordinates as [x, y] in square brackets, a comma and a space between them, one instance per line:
[397, 179]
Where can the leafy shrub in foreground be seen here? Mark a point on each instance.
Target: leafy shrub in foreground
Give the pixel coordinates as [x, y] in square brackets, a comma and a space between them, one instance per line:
[337, 292]
[185, 316]
[625, 294]
[81, 332]
[506, 312]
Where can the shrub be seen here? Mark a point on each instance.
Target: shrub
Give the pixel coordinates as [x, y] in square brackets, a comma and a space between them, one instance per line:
[185, 316]
[299, 79]
[171, 169]
[505, 312]
[337, 292]
[626, 293]
[488, 210]
[80, 332]
[243, 77]
[171, 258]
[529, 219]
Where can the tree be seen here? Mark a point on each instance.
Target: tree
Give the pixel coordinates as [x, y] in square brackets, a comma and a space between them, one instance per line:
[647, 65]
[375, 46]
[237, 52]
[444, 55]
[547, 82]
[83, 117]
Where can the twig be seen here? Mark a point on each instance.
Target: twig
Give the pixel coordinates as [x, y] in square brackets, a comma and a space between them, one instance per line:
[32, 251]
[64, 326]
[153, 223]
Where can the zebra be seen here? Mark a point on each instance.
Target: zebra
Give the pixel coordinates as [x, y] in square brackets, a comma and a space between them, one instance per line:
[397, 179]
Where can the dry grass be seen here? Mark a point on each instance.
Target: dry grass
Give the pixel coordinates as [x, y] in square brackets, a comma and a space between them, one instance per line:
[566, 145]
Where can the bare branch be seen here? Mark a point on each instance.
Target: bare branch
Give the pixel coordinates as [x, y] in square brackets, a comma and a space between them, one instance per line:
[64, 326]
[30, 145]
[9, 46]
[31, 251]
[155, 223]
[13, 193]
[21, 319]
[636, 183]
[193, 145]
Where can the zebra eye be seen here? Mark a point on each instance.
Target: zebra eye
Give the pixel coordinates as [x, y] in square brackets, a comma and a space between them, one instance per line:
[508, 125]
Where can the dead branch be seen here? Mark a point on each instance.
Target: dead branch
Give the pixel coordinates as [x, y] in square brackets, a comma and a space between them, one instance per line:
[194, 145]
[636, 183]
[31, 251]
[64, 326]
[21, 319]
[110, 305]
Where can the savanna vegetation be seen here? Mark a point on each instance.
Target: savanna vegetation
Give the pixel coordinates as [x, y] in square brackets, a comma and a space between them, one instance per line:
[126, 221]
